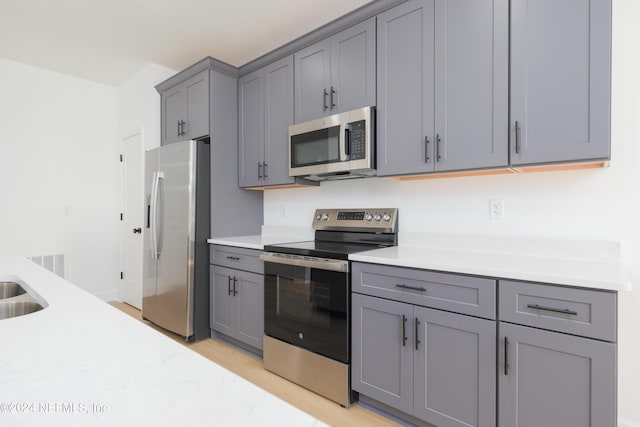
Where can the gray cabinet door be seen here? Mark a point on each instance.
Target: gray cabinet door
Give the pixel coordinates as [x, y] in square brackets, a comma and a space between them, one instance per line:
[172, 107]
[251, 129]
[185, 110]
[560, 80]
[382, 360]
[454, 369]
[353, 67]
[222, 303]
[405, 89]
[312, 81]
[278, 113]
[196, 106]
[249, 294]
[471, 84]
[554, 379]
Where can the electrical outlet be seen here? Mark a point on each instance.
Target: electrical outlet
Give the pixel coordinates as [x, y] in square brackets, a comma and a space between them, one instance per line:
[496, 209]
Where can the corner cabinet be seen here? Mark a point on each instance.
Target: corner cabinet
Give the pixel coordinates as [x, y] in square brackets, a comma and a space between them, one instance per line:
[185, 109]
[560, 81]
[435, 365]
[336, 74]
[557, 357]
[442, 86]
[266, 111]
[237, 294]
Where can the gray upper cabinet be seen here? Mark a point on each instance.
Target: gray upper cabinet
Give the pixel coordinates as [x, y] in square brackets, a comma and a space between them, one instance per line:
[185, 109]
[336, 74]
[471, 84]
[442, 86]
[553, 379]
[560, 80]
[266, 111]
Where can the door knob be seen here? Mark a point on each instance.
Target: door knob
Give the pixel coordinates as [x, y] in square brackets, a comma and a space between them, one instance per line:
[137, 230]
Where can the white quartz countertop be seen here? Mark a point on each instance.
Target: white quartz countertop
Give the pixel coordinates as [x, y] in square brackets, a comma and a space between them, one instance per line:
[271, 235]
[81, 362]
[560, 270]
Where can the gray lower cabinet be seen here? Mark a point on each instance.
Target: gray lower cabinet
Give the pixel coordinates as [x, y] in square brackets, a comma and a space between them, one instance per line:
[560, 80]
[185, 109]
[442, 86]
[547, 374]
[553, 379]
[237, 294]
[434, 365]
[336, 74]
[266, 111]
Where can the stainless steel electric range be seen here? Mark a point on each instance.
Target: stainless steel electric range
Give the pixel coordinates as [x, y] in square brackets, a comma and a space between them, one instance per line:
[307, 298]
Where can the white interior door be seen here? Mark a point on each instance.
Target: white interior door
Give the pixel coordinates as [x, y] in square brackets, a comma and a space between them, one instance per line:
[133, 219]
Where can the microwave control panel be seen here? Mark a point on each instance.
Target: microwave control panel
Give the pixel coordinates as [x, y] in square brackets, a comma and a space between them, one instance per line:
[358, 140]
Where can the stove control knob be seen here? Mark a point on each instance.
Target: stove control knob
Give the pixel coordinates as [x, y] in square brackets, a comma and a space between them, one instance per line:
[377, 217]
[368, 217]
[325, 217]
[318, 217]
[386, 217]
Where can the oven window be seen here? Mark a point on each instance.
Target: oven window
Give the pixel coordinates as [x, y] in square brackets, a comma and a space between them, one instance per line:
[309, 308]
[320, 146]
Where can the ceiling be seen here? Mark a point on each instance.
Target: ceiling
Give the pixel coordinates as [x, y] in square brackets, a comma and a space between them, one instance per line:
[109, 41]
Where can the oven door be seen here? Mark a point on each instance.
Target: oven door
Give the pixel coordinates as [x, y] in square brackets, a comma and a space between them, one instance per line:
[306, 304]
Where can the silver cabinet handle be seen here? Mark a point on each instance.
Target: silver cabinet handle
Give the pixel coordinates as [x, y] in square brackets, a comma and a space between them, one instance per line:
[229, 285]
[404, 330]
[413, 288]
[325, 94]
[555, 310]
[438, 157]
[265, 174]
[259, 170]
[234, 286]
[417, 334]
[179, 126]
[426, 149]
[517, 137]
[506, 356]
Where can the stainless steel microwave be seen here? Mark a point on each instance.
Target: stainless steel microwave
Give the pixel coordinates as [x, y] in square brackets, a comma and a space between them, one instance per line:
[334, 147]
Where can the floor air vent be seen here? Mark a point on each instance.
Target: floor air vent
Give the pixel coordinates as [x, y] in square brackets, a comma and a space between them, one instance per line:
[53, 263]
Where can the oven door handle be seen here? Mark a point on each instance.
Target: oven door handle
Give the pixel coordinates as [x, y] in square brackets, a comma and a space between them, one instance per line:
[310, 262]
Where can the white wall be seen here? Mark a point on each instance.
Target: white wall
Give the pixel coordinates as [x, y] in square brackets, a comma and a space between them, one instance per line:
[58, 172]
[589, 204]
[139, 104]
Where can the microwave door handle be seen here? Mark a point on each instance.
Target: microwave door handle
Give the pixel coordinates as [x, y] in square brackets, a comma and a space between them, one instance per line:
[347, 141]
[342, 144]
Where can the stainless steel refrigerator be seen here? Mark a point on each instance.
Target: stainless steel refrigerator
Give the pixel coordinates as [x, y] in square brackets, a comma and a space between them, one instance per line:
[176, 263]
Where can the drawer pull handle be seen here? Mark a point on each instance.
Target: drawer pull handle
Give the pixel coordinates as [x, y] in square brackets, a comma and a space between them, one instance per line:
[234, 258]
[555, 310]
[413, 288]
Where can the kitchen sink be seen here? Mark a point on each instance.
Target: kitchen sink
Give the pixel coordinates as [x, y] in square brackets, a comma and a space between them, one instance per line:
[10, 289]
[10, 309]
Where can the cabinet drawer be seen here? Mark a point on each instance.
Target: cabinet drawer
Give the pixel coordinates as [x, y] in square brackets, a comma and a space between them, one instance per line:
[238, 258]
[475, 296]
[583, 312]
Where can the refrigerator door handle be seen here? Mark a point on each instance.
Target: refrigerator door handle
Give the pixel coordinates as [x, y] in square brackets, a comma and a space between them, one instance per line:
[157, 176]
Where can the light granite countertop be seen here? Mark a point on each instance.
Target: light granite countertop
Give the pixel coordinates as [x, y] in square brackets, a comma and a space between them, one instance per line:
[81, 362]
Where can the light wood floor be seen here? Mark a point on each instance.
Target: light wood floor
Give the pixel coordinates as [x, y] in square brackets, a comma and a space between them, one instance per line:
[250, 368]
